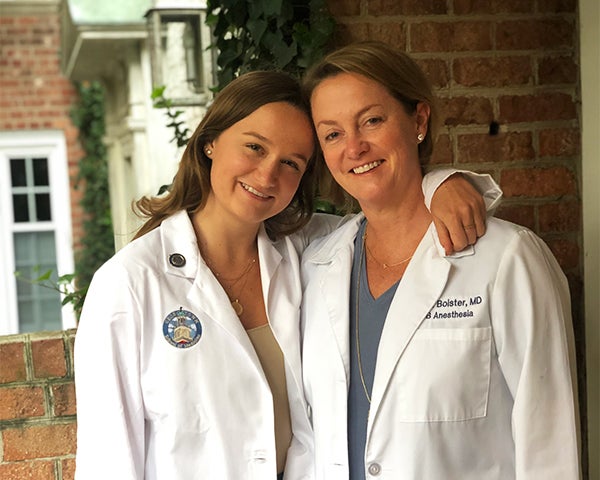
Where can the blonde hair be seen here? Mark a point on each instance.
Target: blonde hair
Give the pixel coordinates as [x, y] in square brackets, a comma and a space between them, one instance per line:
[191, 184]
[394, 70]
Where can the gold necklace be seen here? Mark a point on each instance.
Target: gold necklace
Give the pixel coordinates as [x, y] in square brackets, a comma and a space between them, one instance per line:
[383, 264]
[356, 315]
[238, 308]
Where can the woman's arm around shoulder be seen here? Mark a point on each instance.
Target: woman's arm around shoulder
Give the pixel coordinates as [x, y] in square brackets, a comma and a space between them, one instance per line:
[459, 201]
[320, 225]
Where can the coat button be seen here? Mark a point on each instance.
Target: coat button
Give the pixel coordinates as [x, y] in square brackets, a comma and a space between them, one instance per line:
[177, 260]
[374, 469]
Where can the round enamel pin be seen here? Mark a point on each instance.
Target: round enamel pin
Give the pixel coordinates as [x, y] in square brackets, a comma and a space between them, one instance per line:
[182, 329]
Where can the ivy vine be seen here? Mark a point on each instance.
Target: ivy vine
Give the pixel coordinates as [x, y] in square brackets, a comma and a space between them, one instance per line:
[287, 35]
[97, 243]
[181, 133]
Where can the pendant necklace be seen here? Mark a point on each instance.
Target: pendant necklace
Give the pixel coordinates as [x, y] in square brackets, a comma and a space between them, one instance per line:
[356, 316]
[238, 308]
[384, 265]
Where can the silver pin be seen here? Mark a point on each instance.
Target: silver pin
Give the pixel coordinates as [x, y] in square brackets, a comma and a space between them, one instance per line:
[177, 260]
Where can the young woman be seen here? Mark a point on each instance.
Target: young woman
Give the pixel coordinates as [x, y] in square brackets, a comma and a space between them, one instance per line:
[418, 365]
[187, 356]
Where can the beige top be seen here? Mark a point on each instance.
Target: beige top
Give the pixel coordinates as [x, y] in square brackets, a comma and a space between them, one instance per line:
[271, 359]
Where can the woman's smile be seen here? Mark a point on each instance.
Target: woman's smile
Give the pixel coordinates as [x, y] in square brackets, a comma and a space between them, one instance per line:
[367, 167]
[254, 191]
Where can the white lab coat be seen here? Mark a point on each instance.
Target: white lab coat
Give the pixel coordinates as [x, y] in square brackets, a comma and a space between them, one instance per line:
[475, 369]
[149, 410]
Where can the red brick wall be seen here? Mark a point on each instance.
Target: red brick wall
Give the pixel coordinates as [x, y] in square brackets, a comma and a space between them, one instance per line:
[37, 400]
[37, 407]
[34, 95]
[511, 64]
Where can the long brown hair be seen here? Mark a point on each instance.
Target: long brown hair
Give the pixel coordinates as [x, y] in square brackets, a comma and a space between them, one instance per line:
[394, 70]
[191, 184]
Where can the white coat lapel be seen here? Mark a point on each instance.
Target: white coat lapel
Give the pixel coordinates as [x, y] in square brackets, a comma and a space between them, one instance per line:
[210, 297]
[269, 259]
[283, 295]
[335, 287]
[205, 296]
[335, 257]
[420, 287]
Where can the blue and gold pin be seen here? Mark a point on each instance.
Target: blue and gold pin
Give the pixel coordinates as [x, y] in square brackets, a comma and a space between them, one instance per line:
[182, 329]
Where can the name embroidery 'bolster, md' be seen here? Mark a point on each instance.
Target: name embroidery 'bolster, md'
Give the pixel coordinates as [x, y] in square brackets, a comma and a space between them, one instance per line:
[182, 329]
[451, 308]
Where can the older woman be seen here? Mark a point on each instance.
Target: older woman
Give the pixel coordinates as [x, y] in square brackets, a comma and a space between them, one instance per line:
[418, 365]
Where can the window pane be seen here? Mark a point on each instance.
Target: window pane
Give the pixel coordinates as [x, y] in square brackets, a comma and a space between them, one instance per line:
[20, 208]
[17, 172]
[26, 316]
[35, 248]
[42, 206]
[24, 245]
[44, 243]
[51, 315]
[39, 307]
[40, 171]
[24, 287]
[41, 315]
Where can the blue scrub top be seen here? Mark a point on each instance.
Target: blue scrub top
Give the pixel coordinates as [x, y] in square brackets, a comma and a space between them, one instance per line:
[371, 318]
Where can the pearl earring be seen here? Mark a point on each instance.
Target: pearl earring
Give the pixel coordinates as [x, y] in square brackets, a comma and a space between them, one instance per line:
[420, 137]
[208, 152]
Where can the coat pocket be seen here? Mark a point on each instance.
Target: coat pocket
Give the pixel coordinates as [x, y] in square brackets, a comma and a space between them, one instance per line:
[443, 375]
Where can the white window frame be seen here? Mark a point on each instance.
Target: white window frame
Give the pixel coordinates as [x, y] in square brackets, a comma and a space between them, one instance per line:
[51, 145]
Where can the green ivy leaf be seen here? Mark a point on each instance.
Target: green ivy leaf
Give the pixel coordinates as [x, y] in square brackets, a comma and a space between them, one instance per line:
[66, 279]
[271, 7]
[211, 19]
[282, 53]
[67, 299]
[257, 28]
[286, 16]
[45, 276]
[158, 92]
[228, 56]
